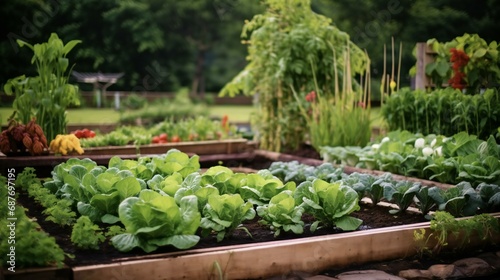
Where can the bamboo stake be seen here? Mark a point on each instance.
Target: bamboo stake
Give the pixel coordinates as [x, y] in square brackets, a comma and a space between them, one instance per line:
[382, 86]
[399, 63]
[392, 60]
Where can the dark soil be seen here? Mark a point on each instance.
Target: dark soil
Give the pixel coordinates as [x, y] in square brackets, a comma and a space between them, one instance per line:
[372, 216]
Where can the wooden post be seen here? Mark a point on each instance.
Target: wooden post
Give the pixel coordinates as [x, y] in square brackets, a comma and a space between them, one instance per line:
[425, 55]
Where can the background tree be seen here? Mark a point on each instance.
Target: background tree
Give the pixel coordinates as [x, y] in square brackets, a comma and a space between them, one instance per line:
[162, 45]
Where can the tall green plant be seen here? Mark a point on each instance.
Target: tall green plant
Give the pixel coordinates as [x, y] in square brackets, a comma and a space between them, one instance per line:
[342, 117]
[282, 44]
[47, 95]
[445, 111]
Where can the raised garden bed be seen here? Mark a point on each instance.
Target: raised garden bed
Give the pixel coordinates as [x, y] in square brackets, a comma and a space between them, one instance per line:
[268, 256]
[387, 237]
[228, 146]
[234, 149]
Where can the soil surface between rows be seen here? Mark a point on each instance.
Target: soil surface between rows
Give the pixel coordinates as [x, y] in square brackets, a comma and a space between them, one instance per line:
[373, 217]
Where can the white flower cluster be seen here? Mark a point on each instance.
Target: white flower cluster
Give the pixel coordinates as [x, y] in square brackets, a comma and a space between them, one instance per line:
[428, 150]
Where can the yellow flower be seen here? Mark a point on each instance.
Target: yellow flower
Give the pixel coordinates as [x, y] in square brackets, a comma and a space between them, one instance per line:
[392, 84]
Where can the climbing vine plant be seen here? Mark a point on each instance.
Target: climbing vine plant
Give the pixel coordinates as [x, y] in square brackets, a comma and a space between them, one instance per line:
[283, 43]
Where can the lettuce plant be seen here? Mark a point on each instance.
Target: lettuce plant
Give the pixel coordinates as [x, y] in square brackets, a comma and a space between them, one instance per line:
[140, 167]
[329, 203]
[174, 161]
[260, 187]
[62, 169]
[152, 220]
[225, 213]
[192, 186]
[106, 192]
[281, 213]
[224, 179]
[168, 184]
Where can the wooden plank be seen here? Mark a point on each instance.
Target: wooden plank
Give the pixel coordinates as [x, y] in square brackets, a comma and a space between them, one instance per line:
[310, 254]
[269, 259]
[198, 147]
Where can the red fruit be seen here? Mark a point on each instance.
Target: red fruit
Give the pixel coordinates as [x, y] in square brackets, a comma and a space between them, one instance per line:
[91, 134]
[85, 133]
[175, 139]
[163, 136]
[156, 140]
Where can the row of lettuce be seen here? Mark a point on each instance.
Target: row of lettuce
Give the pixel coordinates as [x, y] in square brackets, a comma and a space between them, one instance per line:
[461, 157]
[166, 200]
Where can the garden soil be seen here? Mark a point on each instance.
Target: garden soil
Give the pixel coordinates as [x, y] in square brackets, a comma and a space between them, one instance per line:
[372, 216]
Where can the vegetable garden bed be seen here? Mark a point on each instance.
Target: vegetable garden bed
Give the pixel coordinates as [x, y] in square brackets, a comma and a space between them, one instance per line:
[228, 146]
[229, 258]
[326, 250]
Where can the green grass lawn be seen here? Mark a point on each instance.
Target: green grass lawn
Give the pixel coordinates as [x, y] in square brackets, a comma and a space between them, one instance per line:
[236, 113]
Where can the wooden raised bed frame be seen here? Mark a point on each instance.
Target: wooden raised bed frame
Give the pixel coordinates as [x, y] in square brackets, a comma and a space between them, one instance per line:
[228, 146]
[311, 254]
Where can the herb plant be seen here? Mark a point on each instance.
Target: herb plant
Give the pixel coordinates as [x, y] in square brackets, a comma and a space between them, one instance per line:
[34, 247]
[86, 235]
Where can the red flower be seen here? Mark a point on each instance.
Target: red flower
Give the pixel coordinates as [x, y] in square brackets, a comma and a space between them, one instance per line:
[225, 123]
[459, 60]
[311, 96]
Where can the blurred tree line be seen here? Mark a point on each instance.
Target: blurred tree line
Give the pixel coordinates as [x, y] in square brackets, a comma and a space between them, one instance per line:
[162, 45]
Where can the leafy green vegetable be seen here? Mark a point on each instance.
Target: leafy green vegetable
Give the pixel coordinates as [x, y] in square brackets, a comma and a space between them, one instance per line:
[329, 203]
[461, 200]
[34, 247]
[424, 199]
[139, 167]
[153, 220]
[490, 195]
[260, 187]
[298, 172]
[224, 179]
[175, 161]
[86, 235]
[282, 214]
[225, 213]
[402, 193]
[26, 178]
